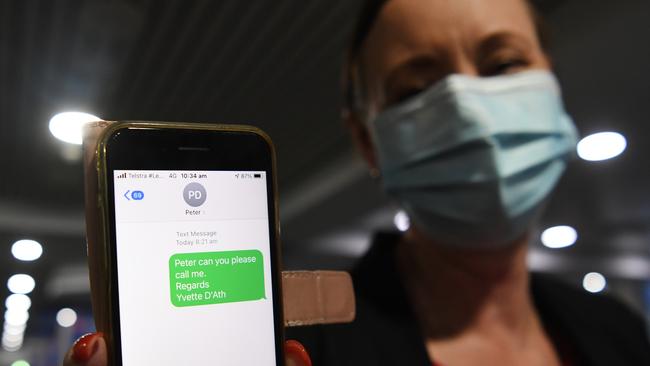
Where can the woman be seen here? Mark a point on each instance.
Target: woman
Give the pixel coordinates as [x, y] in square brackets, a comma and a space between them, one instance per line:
[454, 103]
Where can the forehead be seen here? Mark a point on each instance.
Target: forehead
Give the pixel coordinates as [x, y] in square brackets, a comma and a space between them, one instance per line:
[407, 27]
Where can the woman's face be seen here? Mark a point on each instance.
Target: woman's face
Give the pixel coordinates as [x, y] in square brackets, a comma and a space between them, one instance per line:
[415, 43]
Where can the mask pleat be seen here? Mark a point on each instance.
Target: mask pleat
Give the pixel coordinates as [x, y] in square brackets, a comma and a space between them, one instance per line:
[476, 155]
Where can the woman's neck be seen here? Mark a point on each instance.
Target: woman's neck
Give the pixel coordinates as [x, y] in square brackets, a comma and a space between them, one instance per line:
[456, 291]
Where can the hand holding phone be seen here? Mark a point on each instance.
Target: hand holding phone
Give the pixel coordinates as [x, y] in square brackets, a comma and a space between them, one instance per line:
[302, 290]
[90, 350]
[187, 245]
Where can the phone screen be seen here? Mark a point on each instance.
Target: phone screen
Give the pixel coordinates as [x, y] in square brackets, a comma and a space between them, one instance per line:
[194, 273]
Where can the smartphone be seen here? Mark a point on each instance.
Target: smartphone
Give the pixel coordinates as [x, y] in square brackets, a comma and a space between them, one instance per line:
[190, 225]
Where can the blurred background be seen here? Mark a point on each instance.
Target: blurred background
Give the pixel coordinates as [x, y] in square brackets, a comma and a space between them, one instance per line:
[276, 64]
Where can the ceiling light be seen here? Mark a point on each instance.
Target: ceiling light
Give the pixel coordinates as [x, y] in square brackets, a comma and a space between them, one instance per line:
[27, 250]
[594, 282]
[20, 363]
[66, 317]
[11, 348]
[559, 236]
[13, 338]
[401, 221]
[67, 126]
[18, 301]
[601, 146]
[14, 329]
[21, 284]
[16, 317]
[12, 342]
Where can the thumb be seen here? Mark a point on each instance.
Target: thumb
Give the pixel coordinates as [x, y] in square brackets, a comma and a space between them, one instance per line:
[296, 354]
[88, 350]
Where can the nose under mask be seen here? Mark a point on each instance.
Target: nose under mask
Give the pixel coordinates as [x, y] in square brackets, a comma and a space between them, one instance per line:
[472, 160]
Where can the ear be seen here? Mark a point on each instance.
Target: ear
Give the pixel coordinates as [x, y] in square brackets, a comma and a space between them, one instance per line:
[361, 137]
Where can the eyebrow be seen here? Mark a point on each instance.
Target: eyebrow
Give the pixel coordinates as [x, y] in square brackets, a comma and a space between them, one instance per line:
[426, 61]
[497, 40]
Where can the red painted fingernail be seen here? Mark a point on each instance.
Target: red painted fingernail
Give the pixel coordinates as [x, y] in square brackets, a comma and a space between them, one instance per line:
[296, 351]
[85, 347]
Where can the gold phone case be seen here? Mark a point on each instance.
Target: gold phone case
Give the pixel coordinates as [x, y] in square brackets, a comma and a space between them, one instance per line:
[98, 224]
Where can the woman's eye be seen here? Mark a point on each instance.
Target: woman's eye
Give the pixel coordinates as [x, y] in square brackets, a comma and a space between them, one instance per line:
[405, 94]
[505, 67]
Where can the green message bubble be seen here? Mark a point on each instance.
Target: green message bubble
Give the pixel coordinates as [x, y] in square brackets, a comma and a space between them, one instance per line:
[216, 277]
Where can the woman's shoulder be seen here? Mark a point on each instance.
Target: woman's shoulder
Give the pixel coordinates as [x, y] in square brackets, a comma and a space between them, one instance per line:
[556, 295]
[600, 326]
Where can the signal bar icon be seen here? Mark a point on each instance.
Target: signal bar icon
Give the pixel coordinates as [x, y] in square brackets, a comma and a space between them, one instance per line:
[123, 175]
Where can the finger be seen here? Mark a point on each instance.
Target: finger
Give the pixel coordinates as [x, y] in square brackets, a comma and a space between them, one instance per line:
[89, 350]
[94, 233]
[296, 354]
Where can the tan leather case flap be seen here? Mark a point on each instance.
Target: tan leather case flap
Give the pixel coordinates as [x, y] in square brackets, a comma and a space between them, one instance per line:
[317, 297]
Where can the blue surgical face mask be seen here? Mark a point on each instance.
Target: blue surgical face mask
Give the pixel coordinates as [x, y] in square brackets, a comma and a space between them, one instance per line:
[472, 160]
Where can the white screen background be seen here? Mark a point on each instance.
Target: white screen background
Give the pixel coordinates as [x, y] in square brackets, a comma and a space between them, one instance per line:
[155, 332]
